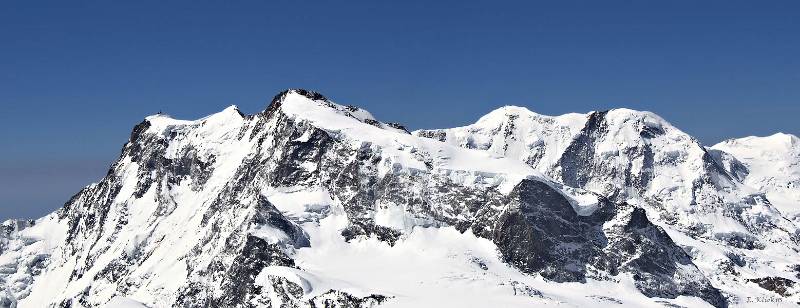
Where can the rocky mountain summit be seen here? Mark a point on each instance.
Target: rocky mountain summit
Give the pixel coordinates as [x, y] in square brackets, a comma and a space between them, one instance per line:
[314, 204]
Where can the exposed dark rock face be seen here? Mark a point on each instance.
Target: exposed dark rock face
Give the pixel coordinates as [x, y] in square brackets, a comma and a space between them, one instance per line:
[740, 240]
[540, 232]
[341, 299]
[521, 289]
[255, 255]
[398, 126]
[308, 94]
[238, 283]
[433, 134]
[796, 269]
[607, 299]
[654, 258]
[730, 164]
[736, 259]
[778, 285]
[574, 171]
[366, 228]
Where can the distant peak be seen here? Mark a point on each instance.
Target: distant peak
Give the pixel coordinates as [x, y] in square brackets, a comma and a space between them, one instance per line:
[780, 138]
[511, 109]
[500, 114]
[784, 136]
[783, 140]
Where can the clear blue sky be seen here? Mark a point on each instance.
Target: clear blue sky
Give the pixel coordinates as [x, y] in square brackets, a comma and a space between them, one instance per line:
[76, 76]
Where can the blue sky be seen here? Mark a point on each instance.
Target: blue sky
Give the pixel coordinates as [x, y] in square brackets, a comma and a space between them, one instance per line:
[76, 76]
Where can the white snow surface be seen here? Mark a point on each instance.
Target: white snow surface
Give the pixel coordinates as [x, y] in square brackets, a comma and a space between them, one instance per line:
[441, 267]
[773, 165]
[123, 302]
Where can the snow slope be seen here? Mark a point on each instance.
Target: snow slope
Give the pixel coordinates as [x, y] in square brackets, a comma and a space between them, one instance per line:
[772, 165]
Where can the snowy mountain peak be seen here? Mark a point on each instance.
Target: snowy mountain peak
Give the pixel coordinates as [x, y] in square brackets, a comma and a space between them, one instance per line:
[314, 107]
[775, 142]
[512, 113]
[788, 138]
[647, 123]
[772, 166]
[505, 112]
[312, 95]
[163, 122]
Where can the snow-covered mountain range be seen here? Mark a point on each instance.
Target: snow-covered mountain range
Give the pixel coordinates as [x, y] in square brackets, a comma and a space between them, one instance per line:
[315, 204]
